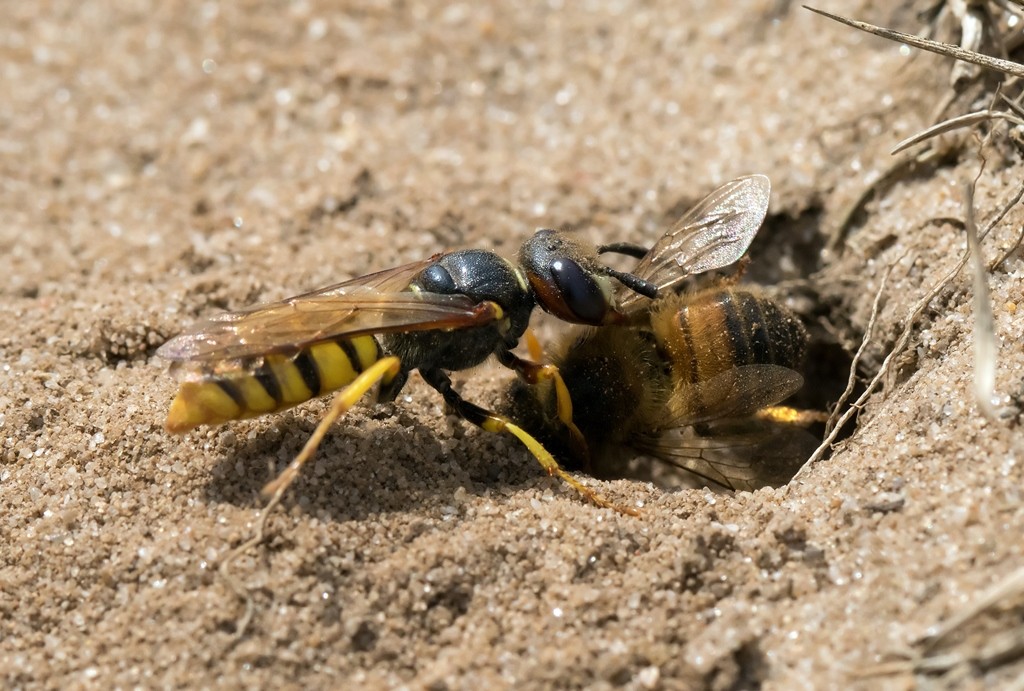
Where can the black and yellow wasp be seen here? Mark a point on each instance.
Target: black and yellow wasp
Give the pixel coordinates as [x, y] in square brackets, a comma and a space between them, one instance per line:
[446, 313]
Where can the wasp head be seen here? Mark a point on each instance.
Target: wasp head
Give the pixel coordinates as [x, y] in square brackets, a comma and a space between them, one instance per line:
[569, 281]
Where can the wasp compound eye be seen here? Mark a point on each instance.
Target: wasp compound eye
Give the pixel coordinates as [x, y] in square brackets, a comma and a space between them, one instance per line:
[579, 291]
[436, 279]
[566, 279]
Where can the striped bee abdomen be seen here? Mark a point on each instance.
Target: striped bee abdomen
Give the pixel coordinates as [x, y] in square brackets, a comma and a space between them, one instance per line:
[717, 330]
[274, 382]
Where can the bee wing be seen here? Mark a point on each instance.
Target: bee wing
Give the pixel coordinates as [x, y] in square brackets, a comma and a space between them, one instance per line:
[739, 454]
[737, 392]
[714, 233]
[376, 303]
[711, 434]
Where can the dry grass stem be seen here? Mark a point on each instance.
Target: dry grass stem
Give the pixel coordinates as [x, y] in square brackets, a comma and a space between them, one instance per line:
[851, 382]
[901, 344]
[949, 50]
[960, 121]
[986, 350]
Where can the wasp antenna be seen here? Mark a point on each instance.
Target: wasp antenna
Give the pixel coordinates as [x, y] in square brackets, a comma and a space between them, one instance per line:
[630, 249]
[634, 283]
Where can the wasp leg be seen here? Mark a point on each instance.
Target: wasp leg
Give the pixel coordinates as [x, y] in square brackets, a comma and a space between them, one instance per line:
[385, 368]
[492, 422]
[532, 373]
[533, 345]
[630, 249]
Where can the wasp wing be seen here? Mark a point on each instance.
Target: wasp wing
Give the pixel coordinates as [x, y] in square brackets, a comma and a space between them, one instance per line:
[376, 303]
[714, 233]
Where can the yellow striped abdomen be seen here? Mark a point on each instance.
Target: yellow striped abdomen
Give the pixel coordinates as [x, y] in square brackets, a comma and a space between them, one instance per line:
[274, 383]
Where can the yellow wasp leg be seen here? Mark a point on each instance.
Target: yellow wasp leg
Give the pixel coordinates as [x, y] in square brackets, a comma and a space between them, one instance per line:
[533, 346]
[385, 368]
[492, 422]
[548, 462]
[563, 402]
[533, 373]
[346, 398]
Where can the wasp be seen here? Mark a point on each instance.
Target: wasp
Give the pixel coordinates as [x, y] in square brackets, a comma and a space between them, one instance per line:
[692, 377]
[447, 313]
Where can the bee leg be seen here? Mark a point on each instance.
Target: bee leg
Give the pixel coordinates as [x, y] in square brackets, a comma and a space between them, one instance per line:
[791, 416]
[532, 373]
[739, 269]
[384, 370]
[389, 390]
[492, 422]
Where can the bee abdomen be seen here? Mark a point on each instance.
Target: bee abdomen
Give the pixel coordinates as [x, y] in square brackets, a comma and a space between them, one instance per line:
[718, 330]
[277, 382]
[768, 333]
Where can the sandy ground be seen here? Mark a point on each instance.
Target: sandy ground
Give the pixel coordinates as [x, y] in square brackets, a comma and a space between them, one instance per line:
[159, 162]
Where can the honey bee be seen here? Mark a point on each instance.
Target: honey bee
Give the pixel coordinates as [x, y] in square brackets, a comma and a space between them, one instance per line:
[446, 313]
[691, 377]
